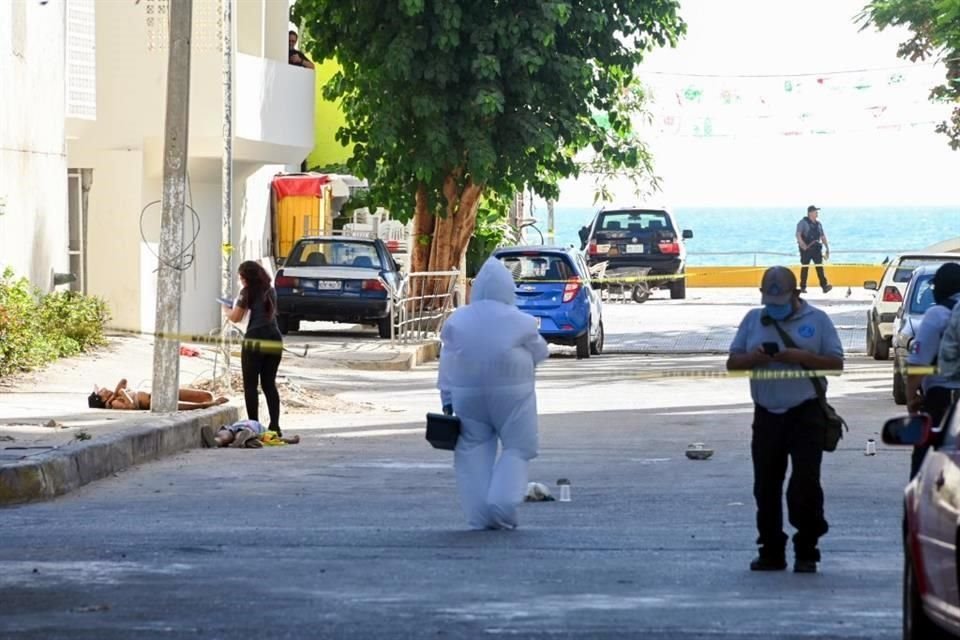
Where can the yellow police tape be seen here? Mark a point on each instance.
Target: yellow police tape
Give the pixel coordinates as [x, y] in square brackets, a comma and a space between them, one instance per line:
[276, 346]
[840, 275]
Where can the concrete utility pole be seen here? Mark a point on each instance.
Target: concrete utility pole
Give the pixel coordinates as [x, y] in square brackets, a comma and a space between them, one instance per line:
[166, 350]
[226, 221]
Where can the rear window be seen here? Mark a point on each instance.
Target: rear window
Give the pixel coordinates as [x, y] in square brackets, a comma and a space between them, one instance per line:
[922, 297]
[334, 253]
[634, 221]
[542, 267]
[906, 267]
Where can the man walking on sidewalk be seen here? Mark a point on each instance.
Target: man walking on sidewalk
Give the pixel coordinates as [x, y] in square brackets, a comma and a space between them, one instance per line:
[812, 242]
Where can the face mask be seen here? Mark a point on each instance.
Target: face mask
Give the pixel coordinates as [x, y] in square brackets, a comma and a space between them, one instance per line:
[779, 311]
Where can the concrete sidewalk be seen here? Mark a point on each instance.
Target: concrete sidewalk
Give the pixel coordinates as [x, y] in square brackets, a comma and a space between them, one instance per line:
[51, 442]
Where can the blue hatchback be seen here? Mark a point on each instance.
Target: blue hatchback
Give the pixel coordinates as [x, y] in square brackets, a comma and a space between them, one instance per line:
[553, 285]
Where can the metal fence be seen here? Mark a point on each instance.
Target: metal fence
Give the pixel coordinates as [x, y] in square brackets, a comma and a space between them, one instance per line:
[422, 304]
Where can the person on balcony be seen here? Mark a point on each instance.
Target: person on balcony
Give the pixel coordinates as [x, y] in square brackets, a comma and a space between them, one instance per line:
[487, 378]
[297, 58]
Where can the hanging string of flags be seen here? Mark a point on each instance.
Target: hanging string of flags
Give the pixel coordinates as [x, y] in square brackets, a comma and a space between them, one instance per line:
[799, 104]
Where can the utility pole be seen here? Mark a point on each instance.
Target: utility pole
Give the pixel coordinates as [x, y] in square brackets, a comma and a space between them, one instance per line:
[166, 349]
[226, 204]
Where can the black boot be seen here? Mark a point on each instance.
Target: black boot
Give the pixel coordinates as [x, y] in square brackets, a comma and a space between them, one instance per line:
[769, 560]
[806, 560]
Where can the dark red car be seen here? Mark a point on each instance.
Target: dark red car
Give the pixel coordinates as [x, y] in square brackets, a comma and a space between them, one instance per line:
[931, 528]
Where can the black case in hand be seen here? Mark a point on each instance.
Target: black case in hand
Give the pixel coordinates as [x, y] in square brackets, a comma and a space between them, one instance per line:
[443, 431]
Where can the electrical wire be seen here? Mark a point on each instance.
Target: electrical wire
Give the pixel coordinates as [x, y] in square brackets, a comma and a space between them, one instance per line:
[804, 74]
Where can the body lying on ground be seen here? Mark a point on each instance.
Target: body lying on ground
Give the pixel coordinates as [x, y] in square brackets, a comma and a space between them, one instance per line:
[124, 399]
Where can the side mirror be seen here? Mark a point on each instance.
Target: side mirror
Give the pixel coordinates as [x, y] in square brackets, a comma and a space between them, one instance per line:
[913, 430]
[280, 261]
[584, 234]
[687, 234]
[871, 285]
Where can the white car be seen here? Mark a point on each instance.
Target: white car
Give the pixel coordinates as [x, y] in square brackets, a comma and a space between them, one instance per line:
[889, 297]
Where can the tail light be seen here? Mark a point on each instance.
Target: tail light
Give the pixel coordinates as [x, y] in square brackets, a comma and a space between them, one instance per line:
[571, 289]
[373, 285]
[670, 247]
[892, 294]
[284, 282]
[393, 246]
[592, 249]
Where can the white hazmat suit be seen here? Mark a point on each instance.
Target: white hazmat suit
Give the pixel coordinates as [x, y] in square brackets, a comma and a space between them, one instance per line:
[490, 349]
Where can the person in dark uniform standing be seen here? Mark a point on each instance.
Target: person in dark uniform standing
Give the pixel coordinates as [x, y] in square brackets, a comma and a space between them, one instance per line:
[787, 419]
[262, 343]
[933, 393]
[813, 245]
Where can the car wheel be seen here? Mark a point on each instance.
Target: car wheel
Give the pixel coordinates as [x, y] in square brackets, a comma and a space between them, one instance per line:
[283, 322]
[899, 384]
[881, 347]
[596, 347]
[640, 293]
[678, 289]
[916, 624]
[293, 326]
[384, 325]
[583, 345]
[870, 345]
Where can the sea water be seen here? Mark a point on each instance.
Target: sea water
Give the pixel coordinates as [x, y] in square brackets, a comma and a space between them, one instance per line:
[767, 235]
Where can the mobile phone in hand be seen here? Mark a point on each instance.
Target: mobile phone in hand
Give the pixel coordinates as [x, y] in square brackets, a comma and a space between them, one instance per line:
[771, 348]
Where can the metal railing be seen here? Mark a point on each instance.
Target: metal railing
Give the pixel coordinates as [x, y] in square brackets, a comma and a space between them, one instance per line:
[794, 254]
[422, 304]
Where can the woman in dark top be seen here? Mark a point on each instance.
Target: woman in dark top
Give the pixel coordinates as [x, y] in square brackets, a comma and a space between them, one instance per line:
[262, 344]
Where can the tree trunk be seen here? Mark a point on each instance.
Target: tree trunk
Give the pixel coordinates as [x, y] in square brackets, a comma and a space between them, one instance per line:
[441, 241]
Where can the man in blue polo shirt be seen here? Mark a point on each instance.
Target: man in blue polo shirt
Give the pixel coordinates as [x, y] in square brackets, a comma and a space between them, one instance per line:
[787, 419]
[933, 393]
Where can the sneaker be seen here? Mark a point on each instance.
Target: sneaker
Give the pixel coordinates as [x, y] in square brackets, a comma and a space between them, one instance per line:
[767, 563]
[828, 288]
[803, 289]
[804, 566]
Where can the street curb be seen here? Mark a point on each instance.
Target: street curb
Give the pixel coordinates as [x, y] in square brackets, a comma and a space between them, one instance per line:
[61, 471]
[423, 353]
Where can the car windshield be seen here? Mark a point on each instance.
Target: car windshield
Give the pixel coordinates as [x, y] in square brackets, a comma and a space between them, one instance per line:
[334, 253]
[922, 297]
[537, 267]
[635, 221]
[907, 265]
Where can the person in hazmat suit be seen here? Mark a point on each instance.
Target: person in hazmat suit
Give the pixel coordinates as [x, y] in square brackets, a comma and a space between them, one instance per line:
[487, 360]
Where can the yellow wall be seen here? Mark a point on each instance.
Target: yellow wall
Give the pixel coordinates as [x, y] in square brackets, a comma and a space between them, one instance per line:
[839, 275]
[328, 118]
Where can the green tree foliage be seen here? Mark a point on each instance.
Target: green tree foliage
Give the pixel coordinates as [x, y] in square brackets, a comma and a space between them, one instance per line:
[935, 27]
[449, 100]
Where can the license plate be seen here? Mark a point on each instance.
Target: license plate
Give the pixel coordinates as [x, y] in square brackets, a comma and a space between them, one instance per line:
[328, 285]
[634, 248]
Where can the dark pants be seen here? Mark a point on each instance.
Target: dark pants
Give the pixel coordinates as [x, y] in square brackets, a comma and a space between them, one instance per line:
[260, 360]
[936, 402]
[797, 436]
[813, 253]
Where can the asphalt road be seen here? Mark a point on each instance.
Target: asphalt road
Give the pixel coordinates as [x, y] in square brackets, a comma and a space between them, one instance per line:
[362, 538]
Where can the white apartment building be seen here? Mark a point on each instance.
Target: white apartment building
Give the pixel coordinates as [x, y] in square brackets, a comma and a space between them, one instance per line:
[82, 183]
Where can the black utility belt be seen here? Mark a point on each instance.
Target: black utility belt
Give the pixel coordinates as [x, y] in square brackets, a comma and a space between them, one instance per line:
[792, 409]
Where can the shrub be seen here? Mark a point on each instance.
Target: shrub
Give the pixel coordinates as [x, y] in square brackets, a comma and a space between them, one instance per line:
[36, 328]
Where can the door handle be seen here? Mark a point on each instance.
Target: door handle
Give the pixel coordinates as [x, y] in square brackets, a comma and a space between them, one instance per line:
[940, 481]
